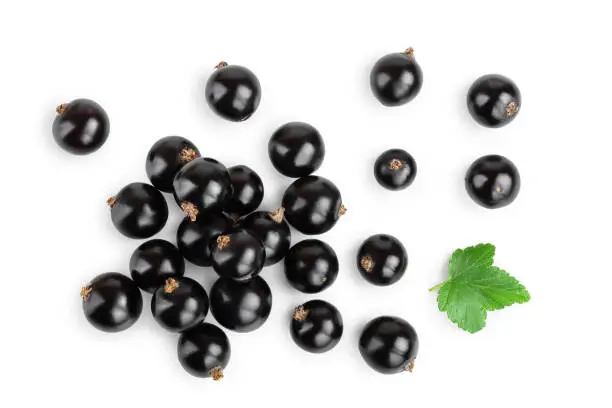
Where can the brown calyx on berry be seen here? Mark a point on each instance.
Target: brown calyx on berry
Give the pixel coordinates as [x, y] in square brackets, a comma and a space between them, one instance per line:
[410, 366]
[216, 373]
[223, 241]
[190, 210]
[170, 285]
[367, 263]
[409, 52]
[186, 155]
[111, 201]
[512, 109]
[342, 210]
[396, 164]
[61, 108]
[222, 64]
[300, 314]
[277, 215]
[85, 292]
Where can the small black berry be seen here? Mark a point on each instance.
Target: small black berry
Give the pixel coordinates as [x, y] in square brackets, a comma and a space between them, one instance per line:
[316, 326]
[247, 191]
[396, 78]
[155, 261]
[395, 169]
[138, 210]
[382, 260]
[81, 126]
[166, 157]
[296, 149]
[494, 100]
[204, 351]
[493, 181]
[233, 92]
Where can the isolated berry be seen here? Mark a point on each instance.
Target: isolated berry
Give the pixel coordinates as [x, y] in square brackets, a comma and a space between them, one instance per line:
[395, 169]
[493, 100]
[138, 210]
[204, 351]
[81, 126]
[233, 92]
[111, 302]
[382, 260]
[166, 157]
[396, 78]
[493, 181]
[296, 149]
[316, 326]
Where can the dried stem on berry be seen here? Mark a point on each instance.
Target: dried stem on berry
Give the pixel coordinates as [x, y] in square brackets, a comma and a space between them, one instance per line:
[85, 292]
[186, 155]
[410, 366]
[111, 201]
[216, 373]
[367, 263]
[409, 52]
[61, 108]
[190, 210]
[512, 109]
[223, 241]
[342, 210]
[171, 285]
[222, 64]
[396, 164]
[277, 215]
[300, 314]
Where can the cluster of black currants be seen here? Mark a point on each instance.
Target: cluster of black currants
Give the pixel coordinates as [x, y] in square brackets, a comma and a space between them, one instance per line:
[223, 227]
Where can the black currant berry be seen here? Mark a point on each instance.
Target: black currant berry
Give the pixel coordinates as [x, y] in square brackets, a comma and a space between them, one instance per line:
[202, 186]
[313, 205]
[81, 126]
[389, 345]
[111, 302]
[316, 326]
[493, 181]
[166, 157]
[296, 149]
[241, 306]
[396, 78]
[382, 260]
[179, 304]
[194, 237]
[138, 210]
[238, 255]
[247, 191]
[395, 169]
[272, 230]
[204, 351]
[155, 261]
[493, 100]
[233, 92]
[311, 266]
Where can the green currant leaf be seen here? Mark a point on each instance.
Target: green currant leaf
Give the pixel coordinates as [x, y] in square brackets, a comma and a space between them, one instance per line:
[475, 286]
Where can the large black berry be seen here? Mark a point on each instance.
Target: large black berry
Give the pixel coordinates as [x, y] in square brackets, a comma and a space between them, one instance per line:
[382, 260]
[238, 255]
[194, 237]
[396, 78]
[395, 169]
[81, 126]
[204, 351]
[111, 302]
[247, 191]
[233, 92]
[316, 326]
[389, 345]
[493, 100]
[202, 186]
[313, 205]
[311, 266]
[155, 261]
[296, 149]
[273, 231]
[179, 304]
[241, 306]
[493, 181]
[166, 157]
[138, 210]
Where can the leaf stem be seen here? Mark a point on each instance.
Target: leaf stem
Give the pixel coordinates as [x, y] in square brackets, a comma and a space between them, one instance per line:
[438, 286]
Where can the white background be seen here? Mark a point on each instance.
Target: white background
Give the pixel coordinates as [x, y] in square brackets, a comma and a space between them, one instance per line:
[147, 65]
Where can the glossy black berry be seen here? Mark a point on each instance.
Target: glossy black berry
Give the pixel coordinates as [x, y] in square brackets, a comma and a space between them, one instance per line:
[272, 230]
[316, 326]
[395, 169]
[241, 306]
[111, 302]
[202, 186]
[194, 237]
[313, 205]
[396, 78]
[493, 181]
[238, 255]
[155, 261]
[179, 304]
[204, 351]
[382, 260]
[233, 92]
[138, 210]
[311, 266]
[493, 100]
[247, 191]
[296, 149]
[389, 345]
[81, 126]
[166, 157]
